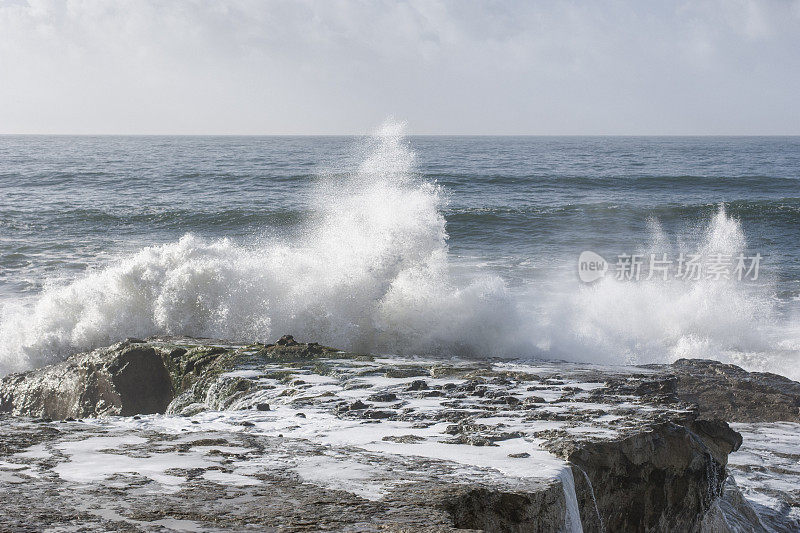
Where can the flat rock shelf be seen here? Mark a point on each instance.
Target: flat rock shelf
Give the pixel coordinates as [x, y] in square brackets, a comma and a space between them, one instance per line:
[180, 434]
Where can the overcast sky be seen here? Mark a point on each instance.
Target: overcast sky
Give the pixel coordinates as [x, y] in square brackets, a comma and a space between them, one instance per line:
[329, 67]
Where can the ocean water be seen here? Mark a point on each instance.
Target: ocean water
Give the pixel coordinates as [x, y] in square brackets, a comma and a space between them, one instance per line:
[401, 244]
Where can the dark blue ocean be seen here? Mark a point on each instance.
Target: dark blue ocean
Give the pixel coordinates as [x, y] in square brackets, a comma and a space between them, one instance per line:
[393, 244]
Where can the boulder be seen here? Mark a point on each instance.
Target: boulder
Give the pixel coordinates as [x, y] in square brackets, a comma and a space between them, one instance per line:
[126, 379]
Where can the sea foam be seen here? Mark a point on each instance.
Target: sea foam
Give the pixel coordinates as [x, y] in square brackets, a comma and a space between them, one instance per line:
[371, 271]
[660, 321]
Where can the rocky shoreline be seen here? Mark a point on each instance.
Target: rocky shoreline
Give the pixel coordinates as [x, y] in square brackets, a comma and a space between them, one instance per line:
[194, 434]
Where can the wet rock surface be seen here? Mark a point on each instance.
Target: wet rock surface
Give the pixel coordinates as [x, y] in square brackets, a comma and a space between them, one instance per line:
[300, 436]
[732, 394]
[102, 476]
[127, 379]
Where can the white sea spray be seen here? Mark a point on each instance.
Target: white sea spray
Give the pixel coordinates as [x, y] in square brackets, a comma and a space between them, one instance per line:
[371, 270]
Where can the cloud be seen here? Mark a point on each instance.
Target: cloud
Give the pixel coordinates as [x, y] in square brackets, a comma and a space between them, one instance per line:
[246, 66]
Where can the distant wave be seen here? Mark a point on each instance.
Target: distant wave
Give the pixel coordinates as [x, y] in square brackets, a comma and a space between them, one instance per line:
[626, 181]
[174, 219]
[778, 210]
[370, 270]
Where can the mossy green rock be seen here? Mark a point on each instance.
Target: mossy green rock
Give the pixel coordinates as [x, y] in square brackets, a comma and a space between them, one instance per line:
[128, 378]
[137, 377]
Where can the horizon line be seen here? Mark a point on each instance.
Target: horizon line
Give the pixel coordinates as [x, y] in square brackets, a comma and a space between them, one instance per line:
[2, 134]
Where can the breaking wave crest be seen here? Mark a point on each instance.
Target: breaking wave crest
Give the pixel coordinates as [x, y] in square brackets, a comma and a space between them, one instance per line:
[370, 271]
[657, 321]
